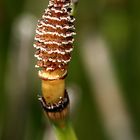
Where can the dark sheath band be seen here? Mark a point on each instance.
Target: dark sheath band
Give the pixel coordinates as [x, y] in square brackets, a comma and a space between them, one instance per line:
[56, 107]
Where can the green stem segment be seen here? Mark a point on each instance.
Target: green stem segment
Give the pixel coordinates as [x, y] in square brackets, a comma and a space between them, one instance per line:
[64, 130]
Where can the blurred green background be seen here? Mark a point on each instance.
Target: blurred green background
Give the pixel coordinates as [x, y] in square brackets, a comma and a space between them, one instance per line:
[104, 74]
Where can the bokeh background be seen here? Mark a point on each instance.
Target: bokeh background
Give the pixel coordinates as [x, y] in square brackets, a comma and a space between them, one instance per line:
[104, 74]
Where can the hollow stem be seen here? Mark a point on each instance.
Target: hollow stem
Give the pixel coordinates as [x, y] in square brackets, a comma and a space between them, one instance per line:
[64, 130]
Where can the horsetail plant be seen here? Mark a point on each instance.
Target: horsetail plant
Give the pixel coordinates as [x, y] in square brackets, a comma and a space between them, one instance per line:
[54, 44]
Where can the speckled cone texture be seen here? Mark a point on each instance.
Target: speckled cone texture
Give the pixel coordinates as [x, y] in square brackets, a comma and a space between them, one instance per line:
[54, 40]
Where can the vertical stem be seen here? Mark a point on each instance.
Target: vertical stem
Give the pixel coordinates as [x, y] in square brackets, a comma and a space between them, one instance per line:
[52, 90]
[64, 130]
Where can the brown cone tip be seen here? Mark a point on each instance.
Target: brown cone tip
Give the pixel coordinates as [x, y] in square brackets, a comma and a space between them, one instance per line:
[54, 40]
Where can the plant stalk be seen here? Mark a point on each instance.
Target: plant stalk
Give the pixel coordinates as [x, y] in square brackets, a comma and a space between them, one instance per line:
[64, 130]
